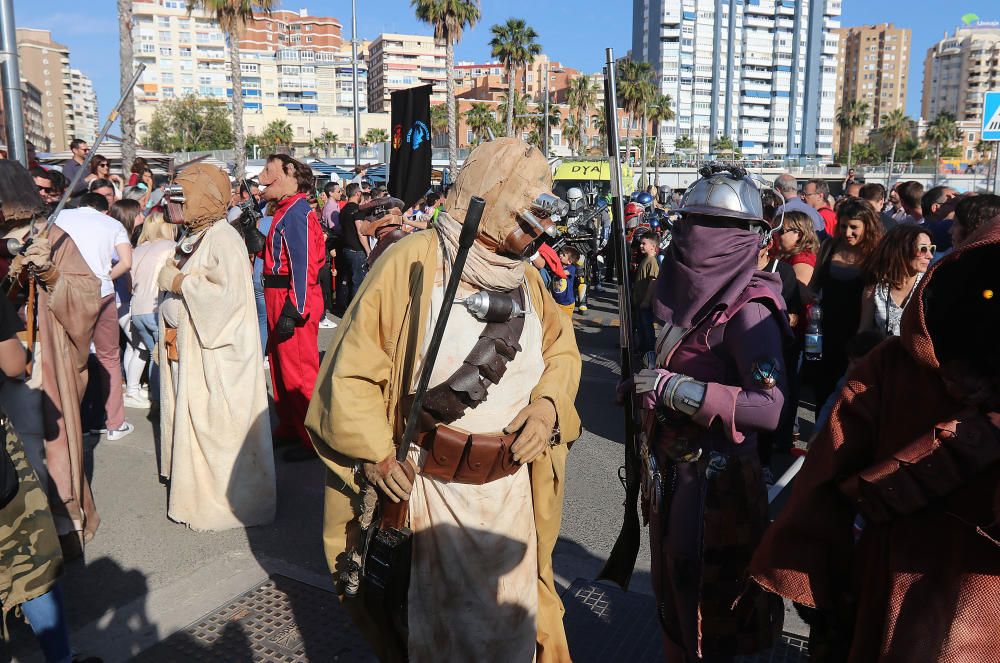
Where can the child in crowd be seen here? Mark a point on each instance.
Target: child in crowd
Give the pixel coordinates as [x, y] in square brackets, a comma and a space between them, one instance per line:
[642, 290]
[562, 288]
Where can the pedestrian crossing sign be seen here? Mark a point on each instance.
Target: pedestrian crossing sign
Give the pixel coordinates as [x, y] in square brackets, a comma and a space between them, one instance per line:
[991, 116]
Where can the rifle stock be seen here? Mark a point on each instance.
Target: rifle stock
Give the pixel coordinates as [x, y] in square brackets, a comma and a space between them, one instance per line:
[621, 561]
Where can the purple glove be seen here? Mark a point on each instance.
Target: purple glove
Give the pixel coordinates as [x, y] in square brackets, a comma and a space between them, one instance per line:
[649, 384]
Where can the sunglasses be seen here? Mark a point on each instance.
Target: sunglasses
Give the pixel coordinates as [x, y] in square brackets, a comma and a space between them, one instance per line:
[926, 249]
[103, 165]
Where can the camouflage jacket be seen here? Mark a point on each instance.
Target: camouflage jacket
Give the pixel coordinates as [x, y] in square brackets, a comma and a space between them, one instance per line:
[30, 556]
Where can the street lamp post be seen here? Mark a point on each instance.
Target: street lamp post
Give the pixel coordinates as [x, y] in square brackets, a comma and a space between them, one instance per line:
[545, 141]
[11, 75]
[354, 76]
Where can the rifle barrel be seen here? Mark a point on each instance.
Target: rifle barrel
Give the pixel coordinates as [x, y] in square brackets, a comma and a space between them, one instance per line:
[621, 561]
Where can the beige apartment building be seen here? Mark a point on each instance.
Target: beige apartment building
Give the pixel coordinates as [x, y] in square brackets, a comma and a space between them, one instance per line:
[34, 118]
[959, 69]
[488, 81]
[397, 62]
[45, 65]
[872, 66]
[294, 67]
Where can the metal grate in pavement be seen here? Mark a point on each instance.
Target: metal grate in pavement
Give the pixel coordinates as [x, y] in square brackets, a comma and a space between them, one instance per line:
[604, 623]
[279, 621]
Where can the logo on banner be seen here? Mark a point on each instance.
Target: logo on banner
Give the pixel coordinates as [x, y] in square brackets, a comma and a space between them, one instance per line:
[397, 136]
[417, 134]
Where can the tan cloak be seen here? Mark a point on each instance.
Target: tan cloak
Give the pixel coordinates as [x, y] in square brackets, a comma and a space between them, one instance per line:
[66, 318]
[215, 430]
[354, 412]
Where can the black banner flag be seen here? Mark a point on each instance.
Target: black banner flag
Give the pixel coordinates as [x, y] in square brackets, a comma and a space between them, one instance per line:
[410, 156]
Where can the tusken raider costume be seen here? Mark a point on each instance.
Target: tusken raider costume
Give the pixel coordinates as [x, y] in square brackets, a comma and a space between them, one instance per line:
[495, 428]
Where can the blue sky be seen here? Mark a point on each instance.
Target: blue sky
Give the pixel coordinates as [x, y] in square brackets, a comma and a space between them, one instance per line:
[574, 32]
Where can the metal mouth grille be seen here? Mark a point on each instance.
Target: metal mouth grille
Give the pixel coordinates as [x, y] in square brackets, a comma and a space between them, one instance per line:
[280, 620]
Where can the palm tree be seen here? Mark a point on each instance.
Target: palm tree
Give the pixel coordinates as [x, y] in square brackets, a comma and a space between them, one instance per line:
[439, 119]
[449, 18]
[581, 95]
[984, 148]
[520, 106]
[941, 133]
[373, 136]
[635, 89]
[125, 74]
[232, 17]
[684, 143]
[724, 144]
[277, 134]
[328, 139]
[481, 120]
[601, 126]
[573, 133]
[514, 45]
[895, 126]
[852, 115]
[659, 112]
[555, 119]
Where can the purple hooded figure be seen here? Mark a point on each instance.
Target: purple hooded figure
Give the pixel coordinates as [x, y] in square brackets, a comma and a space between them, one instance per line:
[720, 377]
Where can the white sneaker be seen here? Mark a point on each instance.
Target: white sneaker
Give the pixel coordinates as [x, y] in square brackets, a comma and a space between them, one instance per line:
[267, 364]
[121, 432]
[137, 402]
[327, 324]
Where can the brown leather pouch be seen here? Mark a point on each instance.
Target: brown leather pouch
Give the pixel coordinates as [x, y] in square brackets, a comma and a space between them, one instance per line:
[457, 456]
[170, 343]
[445, 449]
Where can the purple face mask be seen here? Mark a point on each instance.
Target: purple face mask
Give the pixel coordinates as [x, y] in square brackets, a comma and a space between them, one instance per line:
[709, 263]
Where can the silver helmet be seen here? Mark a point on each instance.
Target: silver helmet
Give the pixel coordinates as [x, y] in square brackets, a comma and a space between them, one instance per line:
[729, 193]
[574, 197]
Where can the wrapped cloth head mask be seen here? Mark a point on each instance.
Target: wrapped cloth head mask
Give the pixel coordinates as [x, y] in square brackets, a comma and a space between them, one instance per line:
[203, 196]
[516, 182]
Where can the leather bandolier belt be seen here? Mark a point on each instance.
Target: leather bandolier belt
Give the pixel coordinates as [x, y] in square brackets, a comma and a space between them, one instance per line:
[455, 455]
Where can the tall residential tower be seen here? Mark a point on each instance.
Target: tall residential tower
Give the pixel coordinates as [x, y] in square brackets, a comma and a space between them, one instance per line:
[872, 66]
[762, 72]
[959, 69]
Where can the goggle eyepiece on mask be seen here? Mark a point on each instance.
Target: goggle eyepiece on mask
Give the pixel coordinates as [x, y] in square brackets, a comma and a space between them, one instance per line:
[534, 223]
[173, 201]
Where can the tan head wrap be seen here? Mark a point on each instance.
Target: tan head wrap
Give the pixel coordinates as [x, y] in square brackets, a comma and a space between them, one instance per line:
[206, 194]
[509, 174]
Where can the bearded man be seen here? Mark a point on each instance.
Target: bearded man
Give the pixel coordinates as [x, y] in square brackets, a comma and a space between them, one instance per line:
[215, 430]
[497, 422]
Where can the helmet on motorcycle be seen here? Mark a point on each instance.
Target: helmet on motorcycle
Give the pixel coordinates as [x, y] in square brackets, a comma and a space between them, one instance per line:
[574, 197]
[644, 199]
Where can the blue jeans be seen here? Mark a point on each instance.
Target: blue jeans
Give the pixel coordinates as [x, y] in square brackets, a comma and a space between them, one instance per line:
[357, 264]
[147, 326]
[47, 617]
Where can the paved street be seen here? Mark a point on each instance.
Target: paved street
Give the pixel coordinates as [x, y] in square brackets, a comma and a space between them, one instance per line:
[146, 578]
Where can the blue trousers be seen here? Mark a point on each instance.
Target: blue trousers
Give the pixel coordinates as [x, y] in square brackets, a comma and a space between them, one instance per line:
[147, 326]
[47, 617]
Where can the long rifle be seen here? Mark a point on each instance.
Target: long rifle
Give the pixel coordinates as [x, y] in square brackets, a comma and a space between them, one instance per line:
[386, 571]
[621, 561]
[84, 167]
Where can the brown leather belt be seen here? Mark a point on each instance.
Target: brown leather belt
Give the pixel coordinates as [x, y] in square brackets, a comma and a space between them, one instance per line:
[460, 457]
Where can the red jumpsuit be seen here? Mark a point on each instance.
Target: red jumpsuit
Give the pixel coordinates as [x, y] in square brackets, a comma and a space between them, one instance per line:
[293, 256]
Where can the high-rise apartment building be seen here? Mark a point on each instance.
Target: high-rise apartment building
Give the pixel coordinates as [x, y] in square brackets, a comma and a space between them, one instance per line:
[34, 124]
[762, 72]
[959, 69]
[397, 62]
[45, 65]
[872, 66]
[294, 68]
[84, 106]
